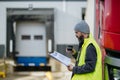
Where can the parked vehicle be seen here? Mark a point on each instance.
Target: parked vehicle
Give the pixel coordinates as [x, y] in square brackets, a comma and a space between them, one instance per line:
[107, 34]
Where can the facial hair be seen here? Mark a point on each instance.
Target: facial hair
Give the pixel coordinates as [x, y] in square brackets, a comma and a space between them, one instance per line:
[81, 38]
[81, 41]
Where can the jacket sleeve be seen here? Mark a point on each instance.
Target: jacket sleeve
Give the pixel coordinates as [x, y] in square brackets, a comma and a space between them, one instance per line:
[90, 61]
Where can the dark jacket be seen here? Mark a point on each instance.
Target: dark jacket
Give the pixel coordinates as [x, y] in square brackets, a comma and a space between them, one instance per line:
[90, 60]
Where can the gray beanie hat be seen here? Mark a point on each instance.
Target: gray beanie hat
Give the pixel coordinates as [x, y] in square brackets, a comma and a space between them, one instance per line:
[82, 27]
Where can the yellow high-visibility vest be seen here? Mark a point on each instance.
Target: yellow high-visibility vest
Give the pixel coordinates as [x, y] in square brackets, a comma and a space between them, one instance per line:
[95, 75]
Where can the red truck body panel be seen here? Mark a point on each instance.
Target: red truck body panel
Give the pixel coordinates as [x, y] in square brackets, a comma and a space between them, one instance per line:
[107, 34]
[108, 24]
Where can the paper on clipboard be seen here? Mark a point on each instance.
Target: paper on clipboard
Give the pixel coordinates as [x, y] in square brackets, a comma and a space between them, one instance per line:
[61, 58]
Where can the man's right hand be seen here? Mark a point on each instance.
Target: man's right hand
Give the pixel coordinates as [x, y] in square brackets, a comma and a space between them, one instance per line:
[70, 67]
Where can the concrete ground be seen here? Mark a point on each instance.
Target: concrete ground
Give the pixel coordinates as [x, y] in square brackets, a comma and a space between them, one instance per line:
[59, 72]
[38, 76]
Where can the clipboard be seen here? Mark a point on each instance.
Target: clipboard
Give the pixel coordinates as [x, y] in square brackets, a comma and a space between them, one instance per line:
[61, 58]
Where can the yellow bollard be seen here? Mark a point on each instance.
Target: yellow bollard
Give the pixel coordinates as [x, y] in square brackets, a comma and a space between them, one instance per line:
[49, 75]
[2, 74]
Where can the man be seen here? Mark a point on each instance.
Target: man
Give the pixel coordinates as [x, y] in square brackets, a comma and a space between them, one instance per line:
[88, 58]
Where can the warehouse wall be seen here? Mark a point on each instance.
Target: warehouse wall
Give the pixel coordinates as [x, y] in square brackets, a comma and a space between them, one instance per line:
[66, 15]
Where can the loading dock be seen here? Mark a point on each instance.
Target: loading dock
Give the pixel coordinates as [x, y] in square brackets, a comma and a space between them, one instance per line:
[28, 33]
[58, 17]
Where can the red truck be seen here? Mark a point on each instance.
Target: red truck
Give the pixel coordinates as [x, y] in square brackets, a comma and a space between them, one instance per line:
[107, 34]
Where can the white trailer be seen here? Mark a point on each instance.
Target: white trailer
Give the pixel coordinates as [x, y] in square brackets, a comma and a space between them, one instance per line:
[29, 30]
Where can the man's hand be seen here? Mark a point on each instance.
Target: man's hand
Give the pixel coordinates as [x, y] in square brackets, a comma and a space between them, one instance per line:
[70, 67]
[73, 51]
